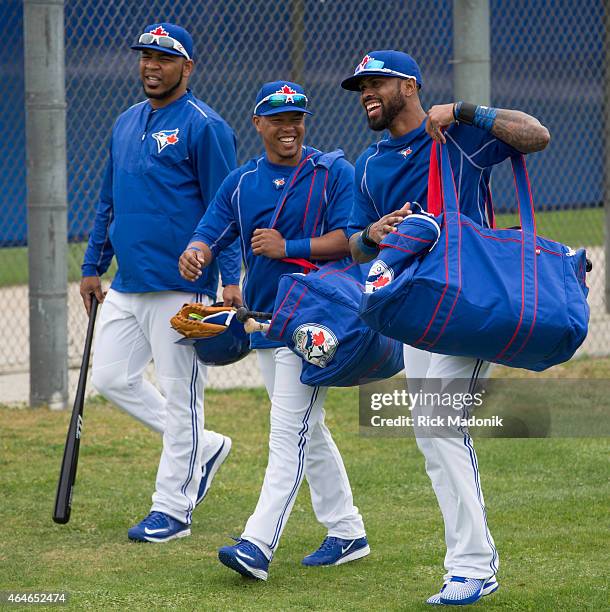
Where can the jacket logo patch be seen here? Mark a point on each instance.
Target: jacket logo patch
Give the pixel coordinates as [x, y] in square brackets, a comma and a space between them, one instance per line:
[315, 343]
[279, 183]
[406, 152]
[165, 138]
[379, 276]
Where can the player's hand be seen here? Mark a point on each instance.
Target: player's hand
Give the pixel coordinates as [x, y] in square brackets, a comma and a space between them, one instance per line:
[439, 117]
[192, 262]
[91, 285]
[231, 295]
[387, 224]
[268, 242]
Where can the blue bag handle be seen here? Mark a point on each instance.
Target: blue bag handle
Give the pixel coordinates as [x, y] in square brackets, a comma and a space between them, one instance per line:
[453, 262]
[525, 201]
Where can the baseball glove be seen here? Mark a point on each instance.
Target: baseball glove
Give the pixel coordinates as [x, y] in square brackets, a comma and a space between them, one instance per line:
[199, 321]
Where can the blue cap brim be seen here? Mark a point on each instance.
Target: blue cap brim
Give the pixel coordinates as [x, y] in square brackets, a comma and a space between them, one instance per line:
[158, 48]
[284, 109]
[353, 83]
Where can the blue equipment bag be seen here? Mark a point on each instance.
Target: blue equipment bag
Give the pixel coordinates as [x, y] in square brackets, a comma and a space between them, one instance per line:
[316, 317]
[502, 295]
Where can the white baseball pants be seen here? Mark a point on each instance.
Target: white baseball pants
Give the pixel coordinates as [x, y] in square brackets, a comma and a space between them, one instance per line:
[300, 445]
[451, 464]
[132, 328]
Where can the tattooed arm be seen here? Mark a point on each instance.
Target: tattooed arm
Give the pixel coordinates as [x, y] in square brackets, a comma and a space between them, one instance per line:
[520, 130]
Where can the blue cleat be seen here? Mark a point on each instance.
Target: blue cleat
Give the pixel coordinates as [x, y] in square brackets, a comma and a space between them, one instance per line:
[211, 467]
[245, 558]
[491, 586]
[335, 551]
[158, 527]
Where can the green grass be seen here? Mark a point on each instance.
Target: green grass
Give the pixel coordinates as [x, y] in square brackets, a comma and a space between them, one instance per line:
[576, 228]
[584, 227]
[547, 508]
[14, 264]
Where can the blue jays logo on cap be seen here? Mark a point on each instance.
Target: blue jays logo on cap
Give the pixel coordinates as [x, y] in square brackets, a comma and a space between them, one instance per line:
[316, 343]
[388, 63]
[379, 276]
[166, 38]
[281, 97]
[165, 138]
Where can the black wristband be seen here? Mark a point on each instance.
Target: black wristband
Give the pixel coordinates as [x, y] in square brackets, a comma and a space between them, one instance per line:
[465, 112]
[366, 238]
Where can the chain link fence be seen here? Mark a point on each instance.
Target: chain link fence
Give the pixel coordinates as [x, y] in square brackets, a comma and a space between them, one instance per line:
[546, 59]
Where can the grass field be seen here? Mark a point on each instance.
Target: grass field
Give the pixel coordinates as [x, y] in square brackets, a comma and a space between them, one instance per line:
[576, 228]
[583, 227]
[547, 507]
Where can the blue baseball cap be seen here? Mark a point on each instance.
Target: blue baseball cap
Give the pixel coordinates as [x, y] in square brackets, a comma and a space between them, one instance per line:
[280, 97]
[166, 38]
[386, 63]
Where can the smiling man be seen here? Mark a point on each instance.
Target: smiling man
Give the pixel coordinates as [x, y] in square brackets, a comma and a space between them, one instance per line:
[391, 174]
[287, 206]
[168, 155]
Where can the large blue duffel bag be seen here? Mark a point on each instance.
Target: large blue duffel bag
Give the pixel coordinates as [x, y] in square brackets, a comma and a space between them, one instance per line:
[504, 295]
[316, 316]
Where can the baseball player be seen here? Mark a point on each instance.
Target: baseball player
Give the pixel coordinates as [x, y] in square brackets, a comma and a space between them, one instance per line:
[266, 203]
[168, 155]
[389, 175]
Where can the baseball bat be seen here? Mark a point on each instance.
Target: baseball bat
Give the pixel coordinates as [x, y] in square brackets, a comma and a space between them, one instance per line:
[252, 326]
[243, 314]
[69, 463]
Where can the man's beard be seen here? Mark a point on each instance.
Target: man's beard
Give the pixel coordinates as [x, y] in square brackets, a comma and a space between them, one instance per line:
[162, 95]
[389, 112]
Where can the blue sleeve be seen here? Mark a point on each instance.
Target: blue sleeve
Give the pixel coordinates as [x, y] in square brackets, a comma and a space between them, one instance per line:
[215, 157]
[481, 147]
[340, 195]
[218, 227]
[229, 264]
[363, 209]
[99, 251]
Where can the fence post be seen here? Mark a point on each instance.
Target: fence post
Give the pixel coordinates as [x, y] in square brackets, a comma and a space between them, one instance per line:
[297, 40]
[471, 57]
[606, 136]
[46, 200]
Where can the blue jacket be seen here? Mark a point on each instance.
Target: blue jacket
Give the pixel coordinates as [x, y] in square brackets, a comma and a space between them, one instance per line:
[309, 200]
[163, 170]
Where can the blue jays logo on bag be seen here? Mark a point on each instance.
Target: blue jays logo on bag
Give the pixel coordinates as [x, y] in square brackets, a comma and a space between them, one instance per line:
[379, 276]
[279, 183]
[165, 138]
[316, 343]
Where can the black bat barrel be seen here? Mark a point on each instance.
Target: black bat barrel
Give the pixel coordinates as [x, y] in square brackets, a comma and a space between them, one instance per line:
[243, 314]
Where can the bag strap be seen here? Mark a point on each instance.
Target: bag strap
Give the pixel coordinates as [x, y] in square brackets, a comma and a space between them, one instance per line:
[525, 201]
[287, 190]
[308, 266]
[489, 207]
[435, 206]
[529, 267]
[323, 164]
